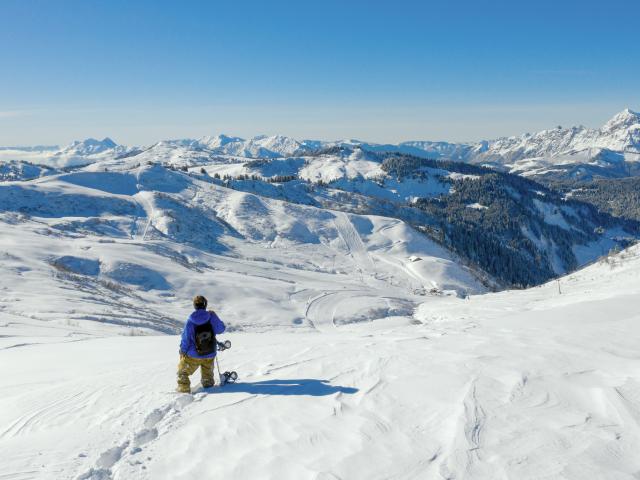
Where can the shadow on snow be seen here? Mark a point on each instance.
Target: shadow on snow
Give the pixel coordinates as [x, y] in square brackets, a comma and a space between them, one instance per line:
[298, 386]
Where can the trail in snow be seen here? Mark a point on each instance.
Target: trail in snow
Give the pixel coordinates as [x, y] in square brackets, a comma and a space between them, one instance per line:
[331, 309]
[353, 242]
[416, 281]
[150, 212]
[320, 310]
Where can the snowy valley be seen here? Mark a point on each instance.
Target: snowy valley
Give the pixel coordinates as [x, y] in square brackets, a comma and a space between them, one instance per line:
[541, 230]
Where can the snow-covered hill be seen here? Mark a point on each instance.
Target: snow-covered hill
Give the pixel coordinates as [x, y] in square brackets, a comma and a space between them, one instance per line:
[150, 234]
[351, 177]
[538, 233]
[20, 170]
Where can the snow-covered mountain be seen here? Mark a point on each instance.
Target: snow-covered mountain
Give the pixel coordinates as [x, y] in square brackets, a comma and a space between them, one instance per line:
[262, 146]
[552, 237]
[559, 151]
[354, 283]
[87, 147]
[621, 133]
[349, 175]
[577, 152]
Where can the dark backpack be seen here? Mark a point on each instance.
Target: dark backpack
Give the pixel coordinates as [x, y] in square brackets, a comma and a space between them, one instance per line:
[205, 338]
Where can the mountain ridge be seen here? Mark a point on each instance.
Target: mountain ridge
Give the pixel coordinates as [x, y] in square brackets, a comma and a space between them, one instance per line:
[613, 150]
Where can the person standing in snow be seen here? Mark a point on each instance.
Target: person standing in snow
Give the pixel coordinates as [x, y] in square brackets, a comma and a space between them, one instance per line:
[198, 345]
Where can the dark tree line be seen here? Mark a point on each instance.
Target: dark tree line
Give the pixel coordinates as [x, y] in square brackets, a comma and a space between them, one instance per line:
[620, 197]
[513, 228]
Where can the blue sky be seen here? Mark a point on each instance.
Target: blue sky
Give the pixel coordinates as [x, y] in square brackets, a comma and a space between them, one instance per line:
[140, 71]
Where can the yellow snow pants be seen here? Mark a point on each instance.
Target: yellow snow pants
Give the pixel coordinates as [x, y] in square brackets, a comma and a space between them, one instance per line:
[188, 365]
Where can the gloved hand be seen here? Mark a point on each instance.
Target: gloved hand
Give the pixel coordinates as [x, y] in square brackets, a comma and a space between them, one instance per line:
[181, 353]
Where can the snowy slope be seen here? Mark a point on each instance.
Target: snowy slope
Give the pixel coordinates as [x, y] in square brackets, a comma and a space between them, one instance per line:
[95, 258]
[21, 170]
[148, 234]
[527, 384]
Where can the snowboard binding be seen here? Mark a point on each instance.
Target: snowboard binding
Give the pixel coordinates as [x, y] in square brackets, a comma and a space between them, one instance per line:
[229, 377]
[226, 377]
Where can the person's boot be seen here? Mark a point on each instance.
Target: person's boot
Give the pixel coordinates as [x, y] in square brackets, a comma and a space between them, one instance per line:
[184, 385]
[186, 367]
[206, 374]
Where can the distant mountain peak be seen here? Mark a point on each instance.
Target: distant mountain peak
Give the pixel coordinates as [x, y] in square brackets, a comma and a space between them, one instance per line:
[89, 146]
[625, 118]
[92, 144]
[108, 142]
[219, 140]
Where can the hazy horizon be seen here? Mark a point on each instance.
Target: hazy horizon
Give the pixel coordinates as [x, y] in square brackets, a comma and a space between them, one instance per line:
[125, 139]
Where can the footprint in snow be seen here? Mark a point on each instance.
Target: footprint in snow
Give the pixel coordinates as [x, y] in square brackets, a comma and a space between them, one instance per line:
[149, 432]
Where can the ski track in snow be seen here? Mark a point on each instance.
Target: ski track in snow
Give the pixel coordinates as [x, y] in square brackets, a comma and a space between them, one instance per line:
[398, 264]
[150, 213]
[320, 312]
[353, 242]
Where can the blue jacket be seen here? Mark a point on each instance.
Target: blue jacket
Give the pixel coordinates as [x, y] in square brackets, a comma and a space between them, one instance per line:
[188, 341]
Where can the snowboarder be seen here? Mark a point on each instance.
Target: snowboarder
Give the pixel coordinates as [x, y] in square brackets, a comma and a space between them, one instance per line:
[198, 345]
